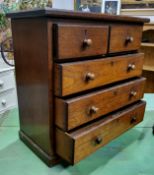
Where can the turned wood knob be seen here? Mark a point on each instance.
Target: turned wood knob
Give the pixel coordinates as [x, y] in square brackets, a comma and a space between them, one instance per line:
[133, 93]
[89, 76]
[92, 110]
[87, 42]
[131, 67]
[3, 102]
[129, 39]
[98, 140]
[133, 119]
[1, 83]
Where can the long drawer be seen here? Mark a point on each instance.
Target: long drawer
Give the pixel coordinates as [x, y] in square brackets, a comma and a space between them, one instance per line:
[74, 112]
[84, 141]
[71, 78]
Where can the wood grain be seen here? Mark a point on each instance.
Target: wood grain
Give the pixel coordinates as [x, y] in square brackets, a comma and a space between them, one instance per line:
[149, 86]
[74, 112]
[70, 77]
[34, 76]
[148, 56]
[70, 40]
[83, 141]
[119, 35]
[67, 14]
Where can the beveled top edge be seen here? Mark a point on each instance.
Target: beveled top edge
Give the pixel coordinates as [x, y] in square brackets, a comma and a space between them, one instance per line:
[56, 13]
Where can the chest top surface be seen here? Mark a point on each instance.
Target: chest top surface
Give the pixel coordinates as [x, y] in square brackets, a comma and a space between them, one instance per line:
[67, 14]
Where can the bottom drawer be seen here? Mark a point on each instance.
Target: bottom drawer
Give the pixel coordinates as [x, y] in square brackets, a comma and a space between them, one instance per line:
[84, 141]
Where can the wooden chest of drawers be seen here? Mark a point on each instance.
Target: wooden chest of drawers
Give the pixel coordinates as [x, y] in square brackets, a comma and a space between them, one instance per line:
[79, 80]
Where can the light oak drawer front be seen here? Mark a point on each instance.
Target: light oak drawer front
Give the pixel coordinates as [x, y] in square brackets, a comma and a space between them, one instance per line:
[74, 112]
[74, 41]
[125, 38]
[84, 141]
[71, 78]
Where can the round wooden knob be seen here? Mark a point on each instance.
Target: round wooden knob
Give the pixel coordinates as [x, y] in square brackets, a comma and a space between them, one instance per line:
[98, 140]
[133, 120]
[133, 93]
[129, 39]
[1, 83]
[3, 102]
[87, 42]
[89, 76]
[131, 67]
[92, 110]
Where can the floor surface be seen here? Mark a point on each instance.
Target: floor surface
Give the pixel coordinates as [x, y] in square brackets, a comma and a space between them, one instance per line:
[130, 154]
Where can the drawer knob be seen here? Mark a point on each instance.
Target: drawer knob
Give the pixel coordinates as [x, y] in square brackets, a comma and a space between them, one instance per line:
[3, 102]
[133, 120]
[87, 42]
[129, 39]
[133, 93]
[92, 110]
[131, 67]
[1, 83]
[89, 76]
[98, 140]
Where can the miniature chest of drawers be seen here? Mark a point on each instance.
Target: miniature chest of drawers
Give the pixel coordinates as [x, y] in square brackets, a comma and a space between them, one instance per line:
[79, 80]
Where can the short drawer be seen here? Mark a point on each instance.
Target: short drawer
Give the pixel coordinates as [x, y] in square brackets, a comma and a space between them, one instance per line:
[71, 78]
[6, 80]
[125, 38]
[74, 112]
[84, 141]
[74, 41]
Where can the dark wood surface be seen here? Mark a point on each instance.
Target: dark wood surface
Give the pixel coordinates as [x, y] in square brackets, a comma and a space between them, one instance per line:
[70, 77]
[125, 38]
[34, 76]
[48, 159]
[86, 140]
[54, 13]
[149, 86]
[72, 40]
[74, 112]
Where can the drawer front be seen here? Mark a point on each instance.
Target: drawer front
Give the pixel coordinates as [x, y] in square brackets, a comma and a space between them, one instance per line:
[74, 112]
[6, 80]
[74, 41]
[125, 38]
[84, 141]
[7, 99]
[76, 77]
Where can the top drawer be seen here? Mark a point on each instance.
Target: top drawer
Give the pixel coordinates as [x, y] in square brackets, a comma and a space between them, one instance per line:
[74, 41]
[125, 38]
